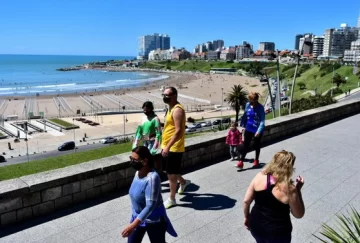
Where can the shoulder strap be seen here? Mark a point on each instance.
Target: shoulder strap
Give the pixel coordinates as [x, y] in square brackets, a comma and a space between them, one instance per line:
[268, 184]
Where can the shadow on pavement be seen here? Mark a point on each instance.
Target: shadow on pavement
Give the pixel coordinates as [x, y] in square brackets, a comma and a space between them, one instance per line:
[206, 201]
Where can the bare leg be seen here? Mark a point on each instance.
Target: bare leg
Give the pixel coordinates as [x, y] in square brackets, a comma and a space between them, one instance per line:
[173, 186]
[180, 179]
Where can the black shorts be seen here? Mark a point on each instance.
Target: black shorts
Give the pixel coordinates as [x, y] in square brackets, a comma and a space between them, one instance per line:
[173, 163]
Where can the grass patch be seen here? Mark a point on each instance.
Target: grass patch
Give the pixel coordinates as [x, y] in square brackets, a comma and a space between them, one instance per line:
[37, 166]
[61, 122]
[18, 170]
[1, 135]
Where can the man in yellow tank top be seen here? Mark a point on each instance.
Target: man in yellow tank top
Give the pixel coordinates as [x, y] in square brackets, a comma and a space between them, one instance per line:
[173, 144]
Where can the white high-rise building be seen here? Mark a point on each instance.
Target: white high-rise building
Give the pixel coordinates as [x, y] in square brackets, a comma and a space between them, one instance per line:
[336, 41]
[153, 42]
[358, 24]
[318, 46]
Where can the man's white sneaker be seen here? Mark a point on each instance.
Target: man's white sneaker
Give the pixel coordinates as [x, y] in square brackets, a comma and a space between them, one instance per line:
[183, 187]
[169, 203]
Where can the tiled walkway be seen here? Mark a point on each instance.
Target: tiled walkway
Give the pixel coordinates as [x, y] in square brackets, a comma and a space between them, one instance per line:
[211, 210]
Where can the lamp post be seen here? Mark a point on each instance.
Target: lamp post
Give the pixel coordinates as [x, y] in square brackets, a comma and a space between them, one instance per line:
[124, 120]
[74, 135]
[222, 103]
[59, 110]
[26, 140]
[332, 81]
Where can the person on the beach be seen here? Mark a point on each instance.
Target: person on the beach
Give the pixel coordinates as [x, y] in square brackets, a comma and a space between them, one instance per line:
[275, 197]
[233, 139]
[149, 130]
[253, 121]
[173, 144]
[148, 212]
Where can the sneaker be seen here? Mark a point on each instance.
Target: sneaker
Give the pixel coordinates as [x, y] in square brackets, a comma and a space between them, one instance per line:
[240, 164]
[232, 159]
[182, 187]
[169, 203]
[256, 163]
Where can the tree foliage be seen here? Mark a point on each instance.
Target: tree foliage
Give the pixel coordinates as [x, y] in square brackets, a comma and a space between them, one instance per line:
[237, 98]
[311, 103]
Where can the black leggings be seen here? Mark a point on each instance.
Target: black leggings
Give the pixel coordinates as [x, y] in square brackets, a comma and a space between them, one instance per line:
[248, 137]
[156, 233]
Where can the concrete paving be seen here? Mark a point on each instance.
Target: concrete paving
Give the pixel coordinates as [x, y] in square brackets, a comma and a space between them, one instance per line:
[211, 210]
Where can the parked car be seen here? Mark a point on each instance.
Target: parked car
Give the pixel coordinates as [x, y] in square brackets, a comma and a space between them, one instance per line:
[216, 122]
[206, 124]
[283, 98]
[2, 159]
[190, 129]
[226, 120]
[108, 140]
[67, 146]
[197, 125]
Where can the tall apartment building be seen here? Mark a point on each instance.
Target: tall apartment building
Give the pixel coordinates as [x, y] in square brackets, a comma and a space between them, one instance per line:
[297, 41]
[153, 42]
[267, 46]
[306, 43]
[358, 23]
[218, 44]
[336, 41]
[243, 51]
[209, 46]
[353, 55]
[318, 46]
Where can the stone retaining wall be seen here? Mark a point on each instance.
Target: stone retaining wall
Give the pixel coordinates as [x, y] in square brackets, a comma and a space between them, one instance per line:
[34, 195]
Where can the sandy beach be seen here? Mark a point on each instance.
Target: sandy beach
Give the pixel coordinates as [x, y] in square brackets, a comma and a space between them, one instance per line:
[197, 91]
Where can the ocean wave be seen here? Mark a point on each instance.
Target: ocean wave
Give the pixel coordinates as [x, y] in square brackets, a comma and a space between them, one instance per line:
[54, 85]
[79, 87]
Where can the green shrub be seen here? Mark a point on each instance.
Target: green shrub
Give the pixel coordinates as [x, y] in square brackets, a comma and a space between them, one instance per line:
[311, 103]
[347, 230]
[190, 119]
[337, 91]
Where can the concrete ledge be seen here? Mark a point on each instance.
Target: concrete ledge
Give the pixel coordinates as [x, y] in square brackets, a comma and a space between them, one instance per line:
[34, 195]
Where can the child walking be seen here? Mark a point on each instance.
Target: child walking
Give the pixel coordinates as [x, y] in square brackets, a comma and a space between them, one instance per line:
[234, 139]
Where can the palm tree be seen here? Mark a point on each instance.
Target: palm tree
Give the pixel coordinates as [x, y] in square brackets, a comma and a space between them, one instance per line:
[338, 80]
[237, 98]
[348, 229]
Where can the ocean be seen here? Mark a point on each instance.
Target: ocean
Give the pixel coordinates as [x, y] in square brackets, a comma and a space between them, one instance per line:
[36, 74]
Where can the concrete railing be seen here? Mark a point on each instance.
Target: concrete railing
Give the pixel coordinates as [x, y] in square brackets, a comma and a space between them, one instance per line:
[34, 195]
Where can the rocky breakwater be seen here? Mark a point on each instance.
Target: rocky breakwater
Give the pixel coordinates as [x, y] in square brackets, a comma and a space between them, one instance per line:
[70, 68]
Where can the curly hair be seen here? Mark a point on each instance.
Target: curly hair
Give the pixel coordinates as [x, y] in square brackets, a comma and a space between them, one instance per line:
[281, 167]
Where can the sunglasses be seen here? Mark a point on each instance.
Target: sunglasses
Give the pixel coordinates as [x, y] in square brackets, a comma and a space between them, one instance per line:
[166, 95]
[132, 160]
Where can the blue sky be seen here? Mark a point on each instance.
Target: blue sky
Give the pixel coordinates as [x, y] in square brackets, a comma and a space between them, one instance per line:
[112, 27]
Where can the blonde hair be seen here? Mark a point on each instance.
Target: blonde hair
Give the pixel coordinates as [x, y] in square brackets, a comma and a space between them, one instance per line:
[281, 167]
[253, 96]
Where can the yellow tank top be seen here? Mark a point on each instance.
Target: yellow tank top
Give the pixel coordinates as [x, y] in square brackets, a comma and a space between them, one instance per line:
[169, 131]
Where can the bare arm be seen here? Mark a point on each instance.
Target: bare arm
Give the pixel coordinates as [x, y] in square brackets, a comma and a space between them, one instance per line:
[178, 117]
[249, 197]
[296, 202]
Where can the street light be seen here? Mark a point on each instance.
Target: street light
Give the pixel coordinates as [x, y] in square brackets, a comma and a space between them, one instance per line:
[74, 135]
[332, 81]
[222, 103]
[26, 140]
[124, 120]
[59, 110]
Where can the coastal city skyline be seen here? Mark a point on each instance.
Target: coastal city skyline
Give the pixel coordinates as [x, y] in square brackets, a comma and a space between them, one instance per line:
[73, 33]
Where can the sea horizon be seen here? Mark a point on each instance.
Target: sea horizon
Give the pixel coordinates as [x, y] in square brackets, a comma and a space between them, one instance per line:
[36, 75]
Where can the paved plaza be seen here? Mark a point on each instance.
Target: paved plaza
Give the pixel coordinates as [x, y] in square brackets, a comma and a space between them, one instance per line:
[211, 210]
